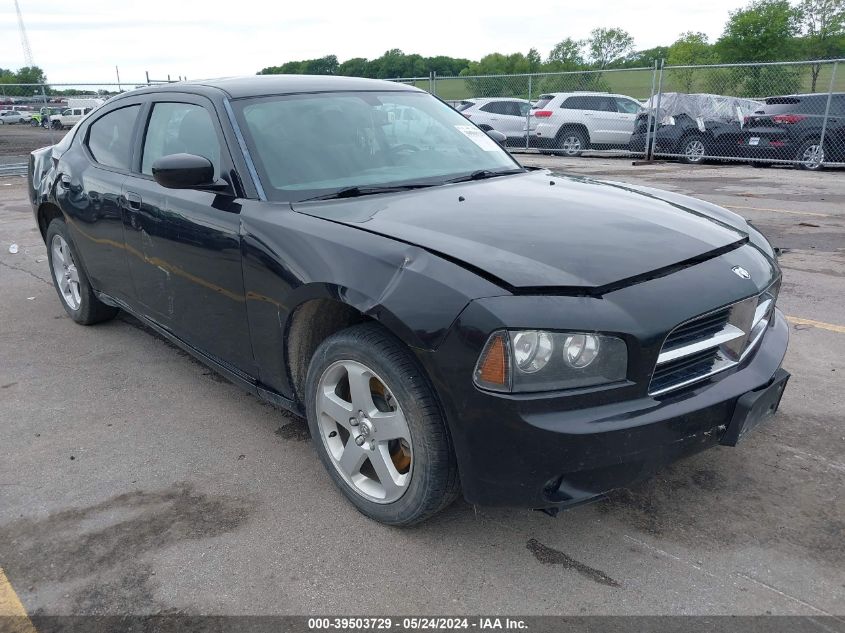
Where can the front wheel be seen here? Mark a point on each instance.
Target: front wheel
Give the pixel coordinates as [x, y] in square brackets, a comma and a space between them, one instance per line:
[71, 282]
[377, 427]
[810, 155]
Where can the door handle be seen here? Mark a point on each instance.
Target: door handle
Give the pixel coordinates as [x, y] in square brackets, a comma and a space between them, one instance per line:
[133, 201]
[65, 181]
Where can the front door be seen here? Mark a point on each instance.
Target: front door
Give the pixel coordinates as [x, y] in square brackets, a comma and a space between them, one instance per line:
[184, 244]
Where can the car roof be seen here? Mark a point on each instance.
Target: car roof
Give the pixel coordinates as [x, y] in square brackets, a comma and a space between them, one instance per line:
[489, 99]
[260, 85]
[587, 93]
[806, 94]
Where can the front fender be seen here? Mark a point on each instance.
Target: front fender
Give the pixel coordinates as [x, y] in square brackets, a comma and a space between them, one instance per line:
[290, 258]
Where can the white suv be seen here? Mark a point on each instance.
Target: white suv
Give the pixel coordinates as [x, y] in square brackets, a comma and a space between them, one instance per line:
[570, 122]
[68, 117]
[505, 115]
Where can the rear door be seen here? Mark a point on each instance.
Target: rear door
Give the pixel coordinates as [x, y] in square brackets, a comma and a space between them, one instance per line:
[513, 118]
[89, 193]
[186, 266]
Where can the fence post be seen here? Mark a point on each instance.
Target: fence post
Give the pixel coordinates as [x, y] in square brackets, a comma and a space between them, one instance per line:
[49, 123]
[434, 83]
[528, 115]
[827, 108]
[656, 110]
[648, 137]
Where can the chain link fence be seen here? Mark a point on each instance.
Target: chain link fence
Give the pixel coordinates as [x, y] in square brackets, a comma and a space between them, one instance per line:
[790, 113]
[772, 113]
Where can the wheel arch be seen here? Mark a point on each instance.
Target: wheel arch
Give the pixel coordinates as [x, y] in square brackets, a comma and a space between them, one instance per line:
[320, 311]
[580, 127]
[47, 212]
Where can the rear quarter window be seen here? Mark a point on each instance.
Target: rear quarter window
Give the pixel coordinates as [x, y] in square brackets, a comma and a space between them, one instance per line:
[543, 101]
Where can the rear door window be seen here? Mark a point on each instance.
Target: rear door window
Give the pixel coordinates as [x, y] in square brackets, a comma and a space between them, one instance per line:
[110, 137]
[494, 107]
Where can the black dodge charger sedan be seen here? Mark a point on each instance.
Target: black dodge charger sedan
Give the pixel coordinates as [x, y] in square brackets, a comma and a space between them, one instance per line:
[449, 322]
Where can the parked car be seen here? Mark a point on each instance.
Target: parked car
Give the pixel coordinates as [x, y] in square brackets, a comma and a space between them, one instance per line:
[505, 115]
[68, 117]
[570, 122]
[445, 319]
[13, 116]
[790, 128]
[693, 126]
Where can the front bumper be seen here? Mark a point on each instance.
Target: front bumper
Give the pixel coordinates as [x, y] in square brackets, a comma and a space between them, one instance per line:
[531, 456]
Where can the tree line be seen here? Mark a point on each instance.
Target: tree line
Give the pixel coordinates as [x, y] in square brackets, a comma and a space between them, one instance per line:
[763, 31]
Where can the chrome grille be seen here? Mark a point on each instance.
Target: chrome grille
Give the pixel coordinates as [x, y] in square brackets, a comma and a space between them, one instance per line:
[712, 342]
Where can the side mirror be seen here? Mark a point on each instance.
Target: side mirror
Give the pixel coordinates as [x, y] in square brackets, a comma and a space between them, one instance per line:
[185, 171]
[497, 136]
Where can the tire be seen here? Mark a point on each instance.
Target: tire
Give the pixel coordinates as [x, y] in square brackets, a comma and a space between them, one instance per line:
[56, 125]
[394, 474]
[571, 142]
[693, 149]
[810, 156]
[70, 280]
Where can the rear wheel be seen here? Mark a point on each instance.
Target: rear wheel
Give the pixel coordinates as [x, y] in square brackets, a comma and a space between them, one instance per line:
[810, 155]
[693, 149]
[571, 142]
[377, 427]
[72, 285]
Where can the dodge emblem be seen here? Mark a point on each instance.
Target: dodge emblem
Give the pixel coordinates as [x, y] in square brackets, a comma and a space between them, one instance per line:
[739, 271]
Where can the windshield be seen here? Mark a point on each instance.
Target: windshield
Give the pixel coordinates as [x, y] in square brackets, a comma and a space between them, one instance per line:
[305, 146]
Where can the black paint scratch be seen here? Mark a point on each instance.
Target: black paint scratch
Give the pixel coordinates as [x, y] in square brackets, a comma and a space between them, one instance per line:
[550, 556]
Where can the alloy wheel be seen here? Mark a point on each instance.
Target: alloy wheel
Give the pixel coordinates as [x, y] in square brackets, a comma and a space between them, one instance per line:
[694, 151]
[571, 144]
[65, 273]
[364, 431]
[812, 157]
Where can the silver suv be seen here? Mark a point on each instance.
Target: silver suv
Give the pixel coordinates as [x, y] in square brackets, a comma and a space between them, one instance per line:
[505, 115]
[570, 122]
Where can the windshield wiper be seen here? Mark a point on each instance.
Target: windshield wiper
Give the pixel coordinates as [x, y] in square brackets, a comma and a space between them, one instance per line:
[483, 174]
[356, 191]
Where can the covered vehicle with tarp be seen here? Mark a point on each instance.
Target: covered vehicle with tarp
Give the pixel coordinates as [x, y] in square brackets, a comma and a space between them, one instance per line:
[692, 127]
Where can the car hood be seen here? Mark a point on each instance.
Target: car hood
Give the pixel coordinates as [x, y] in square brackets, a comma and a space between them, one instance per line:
[542, 229]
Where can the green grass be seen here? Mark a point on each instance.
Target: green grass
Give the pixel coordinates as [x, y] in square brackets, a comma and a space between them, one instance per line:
[637, 83]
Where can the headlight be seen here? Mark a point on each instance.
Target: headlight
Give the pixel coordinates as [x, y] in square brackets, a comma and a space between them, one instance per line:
[535, 360]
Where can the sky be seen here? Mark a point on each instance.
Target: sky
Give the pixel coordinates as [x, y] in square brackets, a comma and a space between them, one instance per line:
[83, 40]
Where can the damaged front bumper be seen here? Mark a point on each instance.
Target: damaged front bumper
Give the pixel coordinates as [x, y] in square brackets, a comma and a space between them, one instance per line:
[516, 452]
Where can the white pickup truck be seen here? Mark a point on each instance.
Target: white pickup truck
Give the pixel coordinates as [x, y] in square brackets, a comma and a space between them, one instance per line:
[68, 118]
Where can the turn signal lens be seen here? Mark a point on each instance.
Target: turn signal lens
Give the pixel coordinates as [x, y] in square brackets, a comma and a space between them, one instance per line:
[493, 368]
